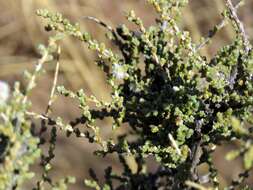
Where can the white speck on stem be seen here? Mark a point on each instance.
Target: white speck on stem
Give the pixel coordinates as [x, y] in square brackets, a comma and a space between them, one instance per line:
[4, 92]
[118, 71]
[176, 88]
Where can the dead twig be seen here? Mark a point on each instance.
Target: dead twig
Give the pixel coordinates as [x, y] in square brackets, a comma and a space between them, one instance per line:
[103, 24]
[239, 24]
[197, 153]
[51, 99]
[215, 29]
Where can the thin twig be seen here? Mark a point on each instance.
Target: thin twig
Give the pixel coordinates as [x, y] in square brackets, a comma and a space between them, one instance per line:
[38, 68]
[239, 25]
[54, 122]
[215, 29]
[51, 99]
[103, 24]
[174, 144]
[196, 185]
[46, 115]
[96, 20]
[37, 116]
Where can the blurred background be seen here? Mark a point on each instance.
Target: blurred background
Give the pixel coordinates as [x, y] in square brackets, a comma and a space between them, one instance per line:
[21, 31]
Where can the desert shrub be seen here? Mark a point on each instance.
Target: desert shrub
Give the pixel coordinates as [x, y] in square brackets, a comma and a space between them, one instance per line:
[178, 105]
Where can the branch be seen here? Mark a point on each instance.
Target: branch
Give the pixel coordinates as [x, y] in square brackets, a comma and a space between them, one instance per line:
[38, 68]
[103, 24]
[51, 99]
[197, 152]
[215, 29]
[239, 25]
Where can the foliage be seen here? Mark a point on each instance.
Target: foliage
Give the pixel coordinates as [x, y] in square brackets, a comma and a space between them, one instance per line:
[178, 105]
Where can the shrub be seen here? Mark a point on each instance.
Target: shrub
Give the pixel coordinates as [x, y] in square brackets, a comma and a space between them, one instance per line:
[177, 109]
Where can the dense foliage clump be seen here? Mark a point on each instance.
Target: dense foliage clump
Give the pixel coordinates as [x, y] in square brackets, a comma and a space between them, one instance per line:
[177, 104]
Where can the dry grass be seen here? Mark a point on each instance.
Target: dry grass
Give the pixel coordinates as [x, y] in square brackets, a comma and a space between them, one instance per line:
[21, 31]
